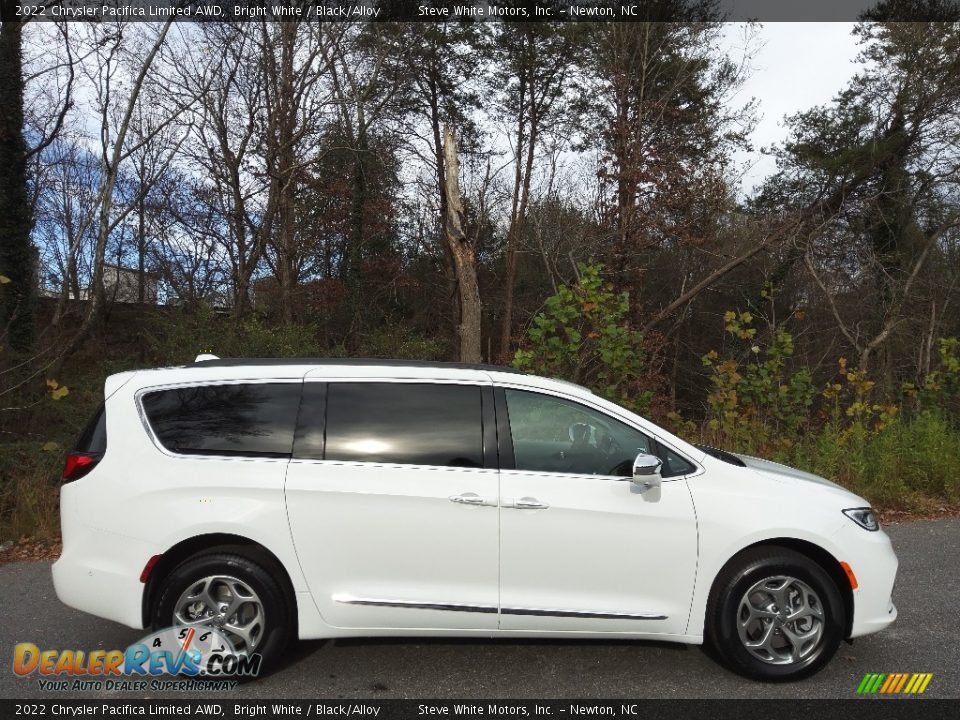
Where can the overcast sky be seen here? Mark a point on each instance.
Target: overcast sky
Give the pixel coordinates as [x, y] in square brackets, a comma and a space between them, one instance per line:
[799, 65]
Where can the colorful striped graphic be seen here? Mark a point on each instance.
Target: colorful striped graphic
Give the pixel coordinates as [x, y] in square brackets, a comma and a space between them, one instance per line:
[894, 683]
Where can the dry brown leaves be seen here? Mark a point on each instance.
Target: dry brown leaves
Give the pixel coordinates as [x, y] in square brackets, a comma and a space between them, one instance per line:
[28, 550]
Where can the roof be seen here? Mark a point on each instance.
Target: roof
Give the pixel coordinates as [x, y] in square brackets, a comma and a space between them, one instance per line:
[355, 362]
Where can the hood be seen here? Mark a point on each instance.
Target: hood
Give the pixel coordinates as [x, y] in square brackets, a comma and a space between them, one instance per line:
[768, 467]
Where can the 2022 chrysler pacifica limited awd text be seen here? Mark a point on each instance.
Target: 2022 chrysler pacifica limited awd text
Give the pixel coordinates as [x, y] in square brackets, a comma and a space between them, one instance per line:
[275, 499]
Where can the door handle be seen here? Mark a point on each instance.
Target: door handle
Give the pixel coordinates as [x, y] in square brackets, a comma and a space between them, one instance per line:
[470, 498]
[526, 503]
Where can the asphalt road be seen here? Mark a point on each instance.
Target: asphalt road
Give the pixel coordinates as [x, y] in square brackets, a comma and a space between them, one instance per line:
[925, 638]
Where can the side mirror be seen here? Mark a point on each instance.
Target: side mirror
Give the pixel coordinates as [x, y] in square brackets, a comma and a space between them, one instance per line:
[646, 471]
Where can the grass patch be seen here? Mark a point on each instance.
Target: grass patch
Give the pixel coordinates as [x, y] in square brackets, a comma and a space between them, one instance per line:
[912, 464]
[30, 492]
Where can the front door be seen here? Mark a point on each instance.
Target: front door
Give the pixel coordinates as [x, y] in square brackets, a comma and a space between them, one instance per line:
[392, 501]
[582, 547]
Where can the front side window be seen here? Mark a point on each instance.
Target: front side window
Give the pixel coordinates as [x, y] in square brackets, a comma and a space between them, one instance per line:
[242, 419]
[407, 423]
[551, 434]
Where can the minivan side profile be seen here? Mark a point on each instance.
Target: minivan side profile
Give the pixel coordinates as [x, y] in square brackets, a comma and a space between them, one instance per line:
[321, 498]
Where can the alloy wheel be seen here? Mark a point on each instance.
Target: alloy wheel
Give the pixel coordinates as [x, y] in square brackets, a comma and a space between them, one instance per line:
[226, 604]
[780, 620]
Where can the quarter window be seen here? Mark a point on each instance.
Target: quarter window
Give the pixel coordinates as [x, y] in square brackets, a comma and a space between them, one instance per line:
[243, 419]
[408, 423]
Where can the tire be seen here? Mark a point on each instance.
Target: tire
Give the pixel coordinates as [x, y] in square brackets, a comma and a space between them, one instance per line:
[265, 613]
[751, 630]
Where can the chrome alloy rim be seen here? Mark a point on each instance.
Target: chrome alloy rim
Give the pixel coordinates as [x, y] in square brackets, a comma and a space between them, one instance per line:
[226, 604]
[780, 620]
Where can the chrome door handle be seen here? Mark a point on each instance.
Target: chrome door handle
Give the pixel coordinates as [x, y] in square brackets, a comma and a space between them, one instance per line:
[526, 503]
[470, 498]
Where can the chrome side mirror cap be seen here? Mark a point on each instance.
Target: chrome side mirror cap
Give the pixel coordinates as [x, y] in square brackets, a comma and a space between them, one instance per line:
[646, 471]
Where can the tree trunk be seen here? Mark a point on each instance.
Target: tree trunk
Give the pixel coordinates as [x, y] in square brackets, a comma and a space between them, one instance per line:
[517, 221]
[141, 249]
[357, 250]
[464, 258]
[16, 250]
[449, 272]
[286, 159]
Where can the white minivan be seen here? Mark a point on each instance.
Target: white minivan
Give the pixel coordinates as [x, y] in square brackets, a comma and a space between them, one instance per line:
[281, 499]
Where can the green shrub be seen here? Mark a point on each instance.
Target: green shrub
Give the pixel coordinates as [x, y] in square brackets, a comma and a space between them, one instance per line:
[30, 491]
[907, 464]
[584, 336]
[402, 343]
[757, 404]
[180, 338]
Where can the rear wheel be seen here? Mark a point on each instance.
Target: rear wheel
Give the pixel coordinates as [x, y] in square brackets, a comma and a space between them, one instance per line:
[234, 594]
[775, 614]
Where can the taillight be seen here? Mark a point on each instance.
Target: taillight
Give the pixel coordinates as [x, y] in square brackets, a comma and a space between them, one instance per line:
[78, 465]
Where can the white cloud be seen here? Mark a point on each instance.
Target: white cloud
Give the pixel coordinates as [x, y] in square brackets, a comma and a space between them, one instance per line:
[799, 65]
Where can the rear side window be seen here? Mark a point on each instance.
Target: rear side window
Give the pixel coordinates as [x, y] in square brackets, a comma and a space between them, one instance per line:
[93, 439]
[407, 423]
[244, 419]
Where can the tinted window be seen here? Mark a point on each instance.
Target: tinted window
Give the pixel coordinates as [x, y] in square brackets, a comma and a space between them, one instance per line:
[309, 437]
[555, 435]
[254, 419]
[93, 439]
[673, 464]
[411, 423]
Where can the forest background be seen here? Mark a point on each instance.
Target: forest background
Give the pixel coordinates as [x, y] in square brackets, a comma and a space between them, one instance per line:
[565, 198]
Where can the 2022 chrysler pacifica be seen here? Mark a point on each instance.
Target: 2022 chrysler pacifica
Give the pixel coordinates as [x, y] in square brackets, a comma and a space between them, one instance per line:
[275, 499]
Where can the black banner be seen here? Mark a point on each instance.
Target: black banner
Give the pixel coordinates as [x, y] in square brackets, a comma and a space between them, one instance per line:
[626, 709]
[480, 10]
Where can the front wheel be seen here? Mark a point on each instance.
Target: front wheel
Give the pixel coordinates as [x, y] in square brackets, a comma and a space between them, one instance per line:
[774, 614]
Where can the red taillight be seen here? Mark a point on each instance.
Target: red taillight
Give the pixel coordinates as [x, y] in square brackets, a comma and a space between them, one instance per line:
[78, 465]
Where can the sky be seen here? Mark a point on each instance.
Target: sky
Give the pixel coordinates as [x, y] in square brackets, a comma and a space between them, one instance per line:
[798, 65]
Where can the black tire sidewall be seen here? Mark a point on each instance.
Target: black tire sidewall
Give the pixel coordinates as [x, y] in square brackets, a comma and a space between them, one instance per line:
[726, 638]
[276, 609]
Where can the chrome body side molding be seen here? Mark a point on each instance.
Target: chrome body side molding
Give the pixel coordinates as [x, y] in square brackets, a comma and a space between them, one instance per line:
[465, 607]
[555, 612]
[415, 604]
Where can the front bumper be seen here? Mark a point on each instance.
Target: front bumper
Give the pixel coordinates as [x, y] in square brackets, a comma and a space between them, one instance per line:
[874, 563]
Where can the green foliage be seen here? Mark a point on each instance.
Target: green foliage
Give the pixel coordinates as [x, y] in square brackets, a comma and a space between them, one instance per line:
[29, 491]
[942, 385]
[908, 465]
[17, 254]
[180, 338]
[584, 336]
[756, 402]
[402, 343]
[757, 406]
[850, 403]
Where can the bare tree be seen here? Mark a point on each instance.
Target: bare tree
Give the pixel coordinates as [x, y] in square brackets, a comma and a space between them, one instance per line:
[464, 258]
[539, 58]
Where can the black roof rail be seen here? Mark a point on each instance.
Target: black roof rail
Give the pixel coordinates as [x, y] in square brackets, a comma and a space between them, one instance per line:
[358, 362]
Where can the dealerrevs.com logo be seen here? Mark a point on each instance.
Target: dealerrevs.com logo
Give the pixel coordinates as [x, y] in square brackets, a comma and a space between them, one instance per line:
[204, 657]
[894, 683]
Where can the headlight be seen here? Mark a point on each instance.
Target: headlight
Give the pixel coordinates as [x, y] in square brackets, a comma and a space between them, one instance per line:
[863, 517]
